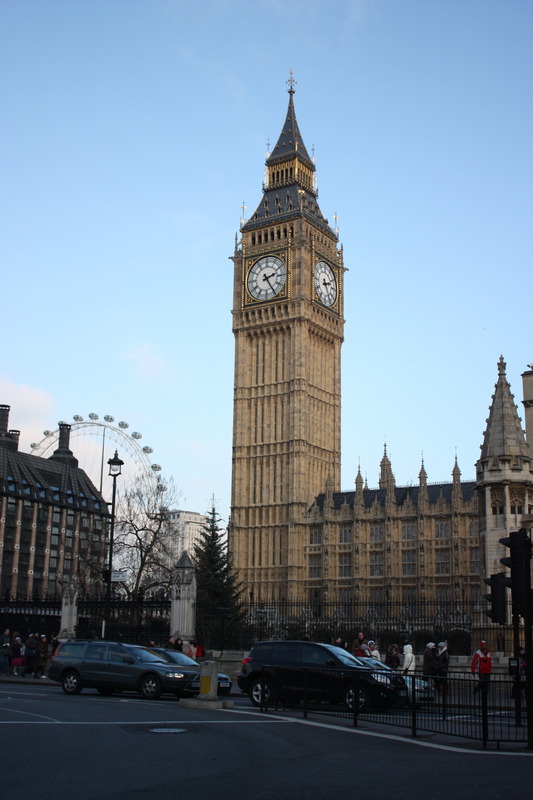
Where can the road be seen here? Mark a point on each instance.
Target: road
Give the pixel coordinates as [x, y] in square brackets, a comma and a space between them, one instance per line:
[112, 748]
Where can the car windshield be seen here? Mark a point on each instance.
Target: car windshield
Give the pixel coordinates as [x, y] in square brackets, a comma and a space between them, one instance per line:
[177, 657]
[344, 656]
[373, 662]
[142, 654]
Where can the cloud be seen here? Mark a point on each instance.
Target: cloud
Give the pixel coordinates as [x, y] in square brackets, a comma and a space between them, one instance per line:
[32, 410]
[146, 360]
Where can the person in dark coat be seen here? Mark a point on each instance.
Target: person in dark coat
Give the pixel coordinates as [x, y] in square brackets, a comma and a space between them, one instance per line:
[30, 653]
[392, 659]
[442, 663]
[429, 664]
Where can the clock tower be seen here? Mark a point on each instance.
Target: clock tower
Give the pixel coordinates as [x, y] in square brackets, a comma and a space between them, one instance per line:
[288, 325]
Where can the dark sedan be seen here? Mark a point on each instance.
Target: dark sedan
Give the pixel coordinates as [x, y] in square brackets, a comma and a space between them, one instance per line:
[224, 681]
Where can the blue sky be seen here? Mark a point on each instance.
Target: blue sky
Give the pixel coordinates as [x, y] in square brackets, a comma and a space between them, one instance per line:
[132, 133]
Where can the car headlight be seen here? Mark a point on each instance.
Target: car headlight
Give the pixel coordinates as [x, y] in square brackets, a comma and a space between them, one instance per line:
[179, 675]
[382, 678]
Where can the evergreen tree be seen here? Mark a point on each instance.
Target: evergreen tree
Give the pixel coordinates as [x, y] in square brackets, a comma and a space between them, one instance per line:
[217, 590]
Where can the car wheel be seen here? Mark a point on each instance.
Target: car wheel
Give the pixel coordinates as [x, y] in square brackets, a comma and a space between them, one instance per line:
[256, 690]
[105, 692]
[364, 698]
[71, 682]
[150, 687]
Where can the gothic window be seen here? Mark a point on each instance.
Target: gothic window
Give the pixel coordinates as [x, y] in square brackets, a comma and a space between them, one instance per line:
[345, 535]
[442, 562]
[346, 600]
[315, 536]
[474, 527]
[315, 565]
[345, 565]
[475, 561]
[443, 595]
[497, 502]
[409, 531]
[409, 597]
[517, 504]
[408, 562]
[376, 597]
[376, 533]
[442, 529]
[376, 563]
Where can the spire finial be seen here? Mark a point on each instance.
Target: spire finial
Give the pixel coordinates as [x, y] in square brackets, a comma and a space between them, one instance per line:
[243, 209]
[291, 82]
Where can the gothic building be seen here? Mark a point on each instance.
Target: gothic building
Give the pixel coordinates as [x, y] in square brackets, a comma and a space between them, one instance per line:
[53, 521]
[293, 533]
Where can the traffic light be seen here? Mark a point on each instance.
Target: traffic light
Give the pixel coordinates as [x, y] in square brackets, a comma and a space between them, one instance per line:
[519, 544]
[498, 583]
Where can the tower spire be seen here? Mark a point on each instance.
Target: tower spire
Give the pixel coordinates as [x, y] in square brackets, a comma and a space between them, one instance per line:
[504, 437]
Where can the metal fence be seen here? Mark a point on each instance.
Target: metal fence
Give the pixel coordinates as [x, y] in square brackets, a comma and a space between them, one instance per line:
[462, 626]
[492, 713]
[133, 621]
[23, 617]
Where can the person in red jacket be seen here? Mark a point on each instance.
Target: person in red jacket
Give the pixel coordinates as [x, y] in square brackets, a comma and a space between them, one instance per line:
[482, 667]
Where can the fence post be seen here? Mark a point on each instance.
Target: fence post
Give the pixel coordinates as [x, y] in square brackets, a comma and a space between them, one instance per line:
[413, 703]
[69, 610]
[183, 599]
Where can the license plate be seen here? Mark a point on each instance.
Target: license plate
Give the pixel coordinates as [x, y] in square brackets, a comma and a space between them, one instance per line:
[224, 684]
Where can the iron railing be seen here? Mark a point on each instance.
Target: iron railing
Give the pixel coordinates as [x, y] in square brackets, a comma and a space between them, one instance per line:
[463, 626]
[493, 713]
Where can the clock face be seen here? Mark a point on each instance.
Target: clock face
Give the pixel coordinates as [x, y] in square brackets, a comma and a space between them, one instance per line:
[325, 283]
[267, 278]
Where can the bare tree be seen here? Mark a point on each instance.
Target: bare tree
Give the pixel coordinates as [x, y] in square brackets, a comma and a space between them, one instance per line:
[144, 541]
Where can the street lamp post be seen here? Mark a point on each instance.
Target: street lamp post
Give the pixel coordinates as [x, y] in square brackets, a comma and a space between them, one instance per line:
[115, 469]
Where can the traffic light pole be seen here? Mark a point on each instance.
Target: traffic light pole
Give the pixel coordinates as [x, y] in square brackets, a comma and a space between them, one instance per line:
[528, 642]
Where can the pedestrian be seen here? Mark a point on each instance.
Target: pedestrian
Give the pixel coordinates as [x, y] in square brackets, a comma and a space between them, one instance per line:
[374, 652]
[360, 646]
[339, 642]
[429, 664]
[392, 659]
[17, 658]
[5, 652]
[409, 662]
[178, 645]
[482, 667]
[408, 670]
[54, 643]
[442, 663]
[43, 653]
[30, 654]
[200, 652]
[191, 652]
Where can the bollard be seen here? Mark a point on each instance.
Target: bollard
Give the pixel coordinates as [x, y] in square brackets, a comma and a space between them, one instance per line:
[209, 681]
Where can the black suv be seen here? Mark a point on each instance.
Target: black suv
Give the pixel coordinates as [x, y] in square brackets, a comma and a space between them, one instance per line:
[286, 671]
[112, 666]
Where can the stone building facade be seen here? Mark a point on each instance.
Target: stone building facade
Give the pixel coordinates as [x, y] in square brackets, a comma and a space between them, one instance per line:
[53, 521]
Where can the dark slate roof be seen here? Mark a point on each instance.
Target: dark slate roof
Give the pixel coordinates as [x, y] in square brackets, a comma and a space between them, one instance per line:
[402, 493]
[291, 201]
[290, 142]
[283, 204]
[48, 480]
[504, 437]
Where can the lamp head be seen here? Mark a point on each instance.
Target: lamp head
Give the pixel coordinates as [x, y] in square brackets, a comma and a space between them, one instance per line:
[115, 465]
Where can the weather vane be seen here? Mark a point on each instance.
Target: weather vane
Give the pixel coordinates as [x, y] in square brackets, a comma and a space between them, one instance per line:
[291, 82]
